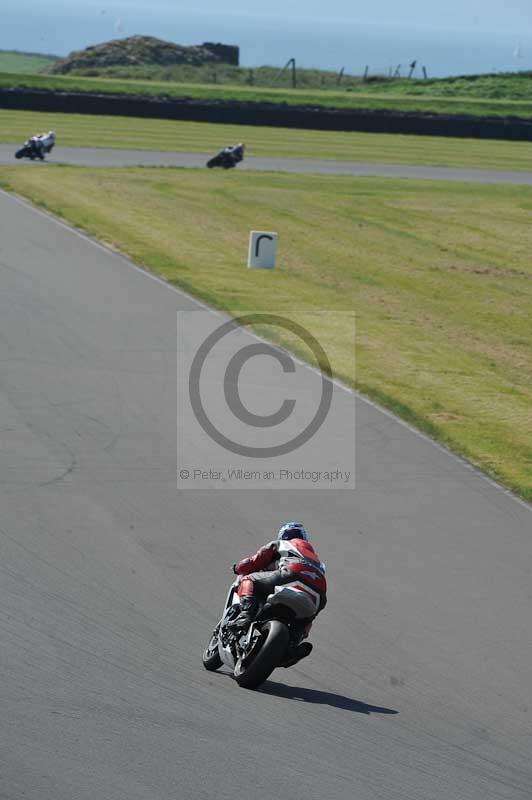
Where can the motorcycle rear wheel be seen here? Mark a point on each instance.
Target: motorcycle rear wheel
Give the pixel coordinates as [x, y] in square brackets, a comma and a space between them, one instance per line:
[270, 655]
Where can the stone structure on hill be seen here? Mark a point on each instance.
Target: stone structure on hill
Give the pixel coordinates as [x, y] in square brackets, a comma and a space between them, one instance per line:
[226, 53]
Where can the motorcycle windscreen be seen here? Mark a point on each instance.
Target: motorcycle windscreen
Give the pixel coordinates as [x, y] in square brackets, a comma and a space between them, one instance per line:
[301, 599]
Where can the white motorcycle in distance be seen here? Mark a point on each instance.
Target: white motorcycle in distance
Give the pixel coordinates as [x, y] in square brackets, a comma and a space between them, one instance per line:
[37, 146]
[253, 652]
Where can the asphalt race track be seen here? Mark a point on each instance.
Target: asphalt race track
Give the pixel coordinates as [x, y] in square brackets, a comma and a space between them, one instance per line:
[99, 157]
[111, 579]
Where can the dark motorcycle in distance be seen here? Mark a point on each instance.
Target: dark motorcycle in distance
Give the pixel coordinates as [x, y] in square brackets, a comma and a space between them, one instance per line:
[253, 652]
[228, 157]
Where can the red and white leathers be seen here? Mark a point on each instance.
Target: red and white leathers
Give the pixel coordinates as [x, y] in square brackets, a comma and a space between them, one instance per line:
[280, 562]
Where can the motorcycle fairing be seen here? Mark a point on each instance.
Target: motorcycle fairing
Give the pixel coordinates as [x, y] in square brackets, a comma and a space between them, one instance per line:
[301, 599]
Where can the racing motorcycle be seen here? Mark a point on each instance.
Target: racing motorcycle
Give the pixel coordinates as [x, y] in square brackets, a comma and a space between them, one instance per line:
[253, 651]
[227, 158]
[30, 150]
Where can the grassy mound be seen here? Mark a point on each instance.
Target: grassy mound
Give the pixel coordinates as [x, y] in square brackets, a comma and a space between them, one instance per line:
[135, 51]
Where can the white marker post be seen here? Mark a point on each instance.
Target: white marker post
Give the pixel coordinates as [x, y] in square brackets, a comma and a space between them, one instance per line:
[262, 250]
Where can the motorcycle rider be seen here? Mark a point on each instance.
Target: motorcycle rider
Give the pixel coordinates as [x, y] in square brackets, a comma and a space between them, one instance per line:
[43, 142]
[235, 152]
[288, 559]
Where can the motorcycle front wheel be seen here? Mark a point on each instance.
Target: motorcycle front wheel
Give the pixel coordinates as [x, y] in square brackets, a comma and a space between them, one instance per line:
[275, 641]
[211, 657]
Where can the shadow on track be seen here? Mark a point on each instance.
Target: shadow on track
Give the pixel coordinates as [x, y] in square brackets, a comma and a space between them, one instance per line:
[324, 698]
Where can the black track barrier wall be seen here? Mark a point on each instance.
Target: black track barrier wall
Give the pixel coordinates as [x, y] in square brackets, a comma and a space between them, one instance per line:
[270, 114]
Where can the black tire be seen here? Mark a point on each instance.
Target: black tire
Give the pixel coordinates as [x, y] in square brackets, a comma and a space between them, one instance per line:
[267, 659]
[213, 162]
[211, 657]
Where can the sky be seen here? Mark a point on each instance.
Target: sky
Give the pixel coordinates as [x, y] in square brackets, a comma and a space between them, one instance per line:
[481, 15]
[513, 16]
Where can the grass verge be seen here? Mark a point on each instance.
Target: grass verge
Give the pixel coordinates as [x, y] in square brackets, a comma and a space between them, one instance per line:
[167, 135]
[494, 86]
[326, 98]
[27, 63]
[439, 275]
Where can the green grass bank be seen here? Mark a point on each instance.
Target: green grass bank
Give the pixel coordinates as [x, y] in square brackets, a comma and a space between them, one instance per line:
[14, 61]
[390, 97]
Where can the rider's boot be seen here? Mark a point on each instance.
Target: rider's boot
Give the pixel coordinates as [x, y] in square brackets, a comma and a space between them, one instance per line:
[301, 651]
[248, 610]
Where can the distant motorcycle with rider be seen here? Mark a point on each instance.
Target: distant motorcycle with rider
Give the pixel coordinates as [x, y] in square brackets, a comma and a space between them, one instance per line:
[228, 157]
[37, 146]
